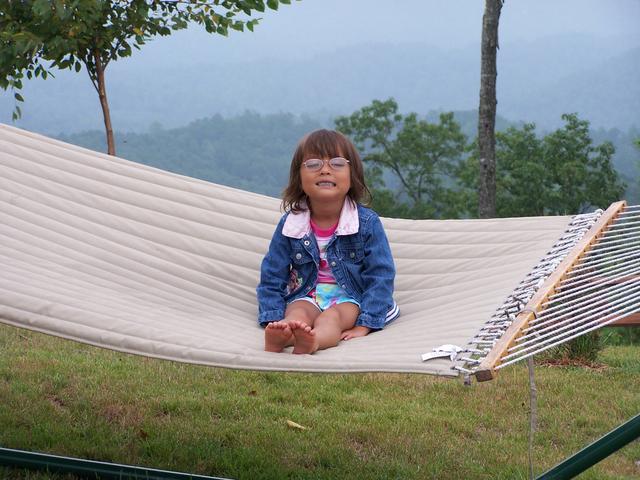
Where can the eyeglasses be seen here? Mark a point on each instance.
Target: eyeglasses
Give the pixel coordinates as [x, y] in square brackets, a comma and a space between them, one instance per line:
[316, 164]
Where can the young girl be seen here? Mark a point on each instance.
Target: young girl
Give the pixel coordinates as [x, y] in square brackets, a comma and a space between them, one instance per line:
[328, 274]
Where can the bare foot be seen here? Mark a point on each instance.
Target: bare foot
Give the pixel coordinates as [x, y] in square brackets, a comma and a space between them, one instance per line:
[276, 336]
[305, 340]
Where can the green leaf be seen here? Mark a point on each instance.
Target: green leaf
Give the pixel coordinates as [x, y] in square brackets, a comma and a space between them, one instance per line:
[18, 97]
[59, 8]
[272, 4]
[78, 66]
[41, 8]
[252, 23]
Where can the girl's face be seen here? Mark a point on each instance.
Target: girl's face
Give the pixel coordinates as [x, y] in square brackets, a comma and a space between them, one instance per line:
[328, 184]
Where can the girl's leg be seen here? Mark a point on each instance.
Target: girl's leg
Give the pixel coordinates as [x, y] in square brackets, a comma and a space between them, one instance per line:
[278, 335]
[327, 328]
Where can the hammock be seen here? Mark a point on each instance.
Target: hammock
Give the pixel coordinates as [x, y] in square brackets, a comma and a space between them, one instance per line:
[123, 256]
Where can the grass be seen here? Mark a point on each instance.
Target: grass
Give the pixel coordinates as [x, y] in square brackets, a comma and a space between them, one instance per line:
[70, 399]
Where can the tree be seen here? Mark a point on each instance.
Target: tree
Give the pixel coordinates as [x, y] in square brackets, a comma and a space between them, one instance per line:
[39, 35]
[420, 155]
[487, 110]
[637, 143]
[562, 173]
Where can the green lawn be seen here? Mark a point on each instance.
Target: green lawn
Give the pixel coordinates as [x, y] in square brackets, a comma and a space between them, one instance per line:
[70, 399]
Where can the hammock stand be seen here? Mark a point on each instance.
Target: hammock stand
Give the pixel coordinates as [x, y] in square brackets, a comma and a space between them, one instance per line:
[569, 468]
[123, 256]
[89, 468]
[593, 453]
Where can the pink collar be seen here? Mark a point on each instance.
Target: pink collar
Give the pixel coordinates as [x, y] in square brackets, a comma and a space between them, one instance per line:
[297, 225]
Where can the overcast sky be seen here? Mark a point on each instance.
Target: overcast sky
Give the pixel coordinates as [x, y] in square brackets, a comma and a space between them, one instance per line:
[310, 26]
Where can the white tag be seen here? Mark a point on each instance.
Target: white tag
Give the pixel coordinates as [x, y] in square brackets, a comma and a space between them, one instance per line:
[431, 356]
[447, 350]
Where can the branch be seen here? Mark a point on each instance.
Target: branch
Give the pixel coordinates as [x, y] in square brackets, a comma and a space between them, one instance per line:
[419, 189]
[94, 81]
[114, 49]
[393, 165]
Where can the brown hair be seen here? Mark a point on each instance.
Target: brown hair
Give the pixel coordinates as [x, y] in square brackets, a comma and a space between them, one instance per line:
[324, 144]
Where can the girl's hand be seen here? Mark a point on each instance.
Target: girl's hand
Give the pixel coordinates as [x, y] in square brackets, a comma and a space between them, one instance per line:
[355, 332]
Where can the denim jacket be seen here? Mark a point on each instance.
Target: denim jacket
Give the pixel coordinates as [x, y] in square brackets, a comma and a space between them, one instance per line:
[359, 257]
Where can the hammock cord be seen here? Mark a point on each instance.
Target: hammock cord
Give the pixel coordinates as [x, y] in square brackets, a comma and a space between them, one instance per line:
[480, 345]
[601, 288]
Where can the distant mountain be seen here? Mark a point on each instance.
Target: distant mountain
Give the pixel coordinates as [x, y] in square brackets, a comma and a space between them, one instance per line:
[249, 151]
[607, 94]
[253, 151]
[537, 81]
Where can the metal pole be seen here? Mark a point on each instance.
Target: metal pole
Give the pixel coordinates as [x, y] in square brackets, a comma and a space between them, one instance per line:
[598, 450]
[89, 468]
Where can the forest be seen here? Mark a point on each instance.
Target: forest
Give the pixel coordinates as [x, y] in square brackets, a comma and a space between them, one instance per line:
[252, 151]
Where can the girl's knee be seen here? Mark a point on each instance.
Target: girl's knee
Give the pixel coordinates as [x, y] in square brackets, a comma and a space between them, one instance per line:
[301, 311]
[330, 317]
[343, 318]
[299, 316]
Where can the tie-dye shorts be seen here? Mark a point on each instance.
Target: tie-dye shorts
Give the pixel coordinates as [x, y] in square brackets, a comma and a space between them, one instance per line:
[326, 295]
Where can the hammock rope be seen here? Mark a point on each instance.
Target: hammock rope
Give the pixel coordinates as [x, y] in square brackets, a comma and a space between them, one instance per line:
[584, 304]
[601, 287]
[481, 345]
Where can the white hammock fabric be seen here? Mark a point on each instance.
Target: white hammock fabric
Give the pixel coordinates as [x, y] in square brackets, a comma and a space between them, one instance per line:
[123, 256]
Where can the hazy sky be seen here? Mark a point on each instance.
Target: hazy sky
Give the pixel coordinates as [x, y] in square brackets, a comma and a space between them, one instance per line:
[310, 26]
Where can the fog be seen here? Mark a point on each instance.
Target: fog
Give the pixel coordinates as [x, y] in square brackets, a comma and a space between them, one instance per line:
[330, 57]
[308, 27]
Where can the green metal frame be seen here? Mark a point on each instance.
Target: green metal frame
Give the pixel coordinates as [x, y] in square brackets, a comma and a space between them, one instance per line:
[89, 468]
[598, 450]
[569, 468]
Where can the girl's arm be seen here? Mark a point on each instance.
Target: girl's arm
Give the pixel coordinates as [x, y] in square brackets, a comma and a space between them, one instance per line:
[274, 275]
[378, 276]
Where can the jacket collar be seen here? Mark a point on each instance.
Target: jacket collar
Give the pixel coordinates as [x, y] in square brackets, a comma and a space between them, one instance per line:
[297, 225]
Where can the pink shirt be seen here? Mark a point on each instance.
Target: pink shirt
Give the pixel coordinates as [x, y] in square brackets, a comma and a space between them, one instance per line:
[323, 236]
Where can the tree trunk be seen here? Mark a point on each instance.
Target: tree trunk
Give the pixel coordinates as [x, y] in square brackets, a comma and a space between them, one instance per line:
[102, 93]
[487, 110]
